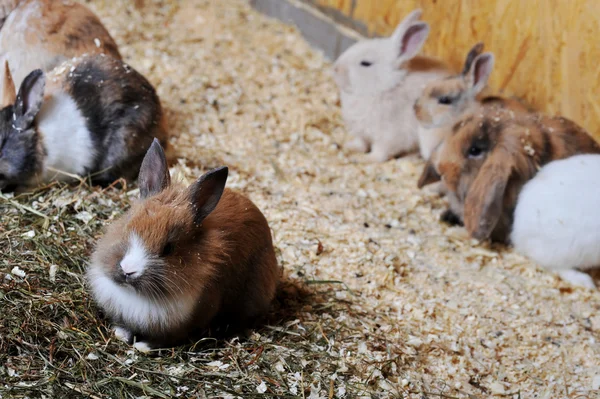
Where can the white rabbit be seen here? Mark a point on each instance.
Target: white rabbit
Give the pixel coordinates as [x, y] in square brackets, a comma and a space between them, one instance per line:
[380, 80]
[557, 223]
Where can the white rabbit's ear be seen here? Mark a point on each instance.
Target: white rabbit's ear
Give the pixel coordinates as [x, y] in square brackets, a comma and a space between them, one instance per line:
[479, 73]
[412, 41]
[405, 24]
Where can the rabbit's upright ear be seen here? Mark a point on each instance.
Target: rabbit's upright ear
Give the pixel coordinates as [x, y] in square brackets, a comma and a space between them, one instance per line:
[484, 203]
[411, 42]
[473, 53]
[405, 23]
[29, 100]
[154, 174]
[409, 37]
[9, 92]
[479, 73]
[206, 192]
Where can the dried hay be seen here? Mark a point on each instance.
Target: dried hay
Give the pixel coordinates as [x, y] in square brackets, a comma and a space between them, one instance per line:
[390, 303]
[546, 50]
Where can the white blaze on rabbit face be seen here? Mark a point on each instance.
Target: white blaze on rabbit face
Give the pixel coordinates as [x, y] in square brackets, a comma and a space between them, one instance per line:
[136, 258]
[122, 302]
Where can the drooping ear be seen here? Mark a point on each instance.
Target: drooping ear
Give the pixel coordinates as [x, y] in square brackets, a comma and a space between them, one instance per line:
[484, 203]
[412, 41]
[9, 93]
[480, 72]
[474, 52]
[206, 192]
[29, 100]
[429, 175]
[154, 174]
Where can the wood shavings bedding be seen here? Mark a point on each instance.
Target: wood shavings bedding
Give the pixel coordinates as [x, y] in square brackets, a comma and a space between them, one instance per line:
[401, 305]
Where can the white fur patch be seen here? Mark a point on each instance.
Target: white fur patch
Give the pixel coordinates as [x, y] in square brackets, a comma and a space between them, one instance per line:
[142, 347]
[135, 310]
[136, 259]
[66, 138]
[122, 334]
[577, 278]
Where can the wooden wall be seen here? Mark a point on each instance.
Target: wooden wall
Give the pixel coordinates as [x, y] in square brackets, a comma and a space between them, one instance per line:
[547, 51]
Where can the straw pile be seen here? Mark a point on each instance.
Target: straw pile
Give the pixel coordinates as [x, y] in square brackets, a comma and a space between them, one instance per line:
[546, 50]
[380, 300]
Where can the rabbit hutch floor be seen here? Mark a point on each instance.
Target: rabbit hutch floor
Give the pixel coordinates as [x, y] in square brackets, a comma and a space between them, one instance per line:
[379, 298]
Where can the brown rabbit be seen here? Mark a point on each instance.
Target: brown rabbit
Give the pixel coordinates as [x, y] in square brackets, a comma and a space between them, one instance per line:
[183, 259]
[41, 34]
[488, 158]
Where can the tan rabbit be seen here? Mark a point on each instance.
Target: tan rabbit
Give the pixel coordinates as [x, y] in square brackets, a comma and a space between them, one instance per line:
[490, 155]
[41, 34]
[183, 259]
[444, 101]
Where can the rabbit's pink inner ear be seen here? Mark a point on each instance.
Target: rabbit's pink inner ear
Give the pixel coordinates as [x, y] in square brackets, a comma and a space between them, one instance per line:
[406, 22]
[9, 92]
[154, 174]
[473, 53]
[413, 40]
[482, 68]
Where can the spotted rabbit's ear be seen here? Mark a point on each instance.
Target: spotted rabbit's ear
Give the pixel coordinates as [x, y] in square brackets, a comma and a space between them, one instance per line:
[154, 173]
[479, 73]
[9, 92]
[473, 53]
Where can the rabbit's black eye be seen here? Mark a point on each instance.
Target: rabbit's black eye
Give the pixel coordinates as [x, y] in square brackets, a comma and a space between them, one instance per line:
[446, 100]
[168, 249]
[366, 63]
[479, 146]
[475, 151]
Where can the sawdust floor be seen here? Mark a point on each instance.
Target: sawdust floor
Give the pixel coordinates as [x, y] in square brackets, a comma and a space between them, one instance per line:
[425, 306]
[404, 305]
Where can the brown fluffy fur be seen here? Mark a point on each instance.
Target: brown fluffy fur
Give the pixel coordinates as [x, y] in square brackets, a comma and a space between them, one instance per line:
[226, 265]
[513, 147]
